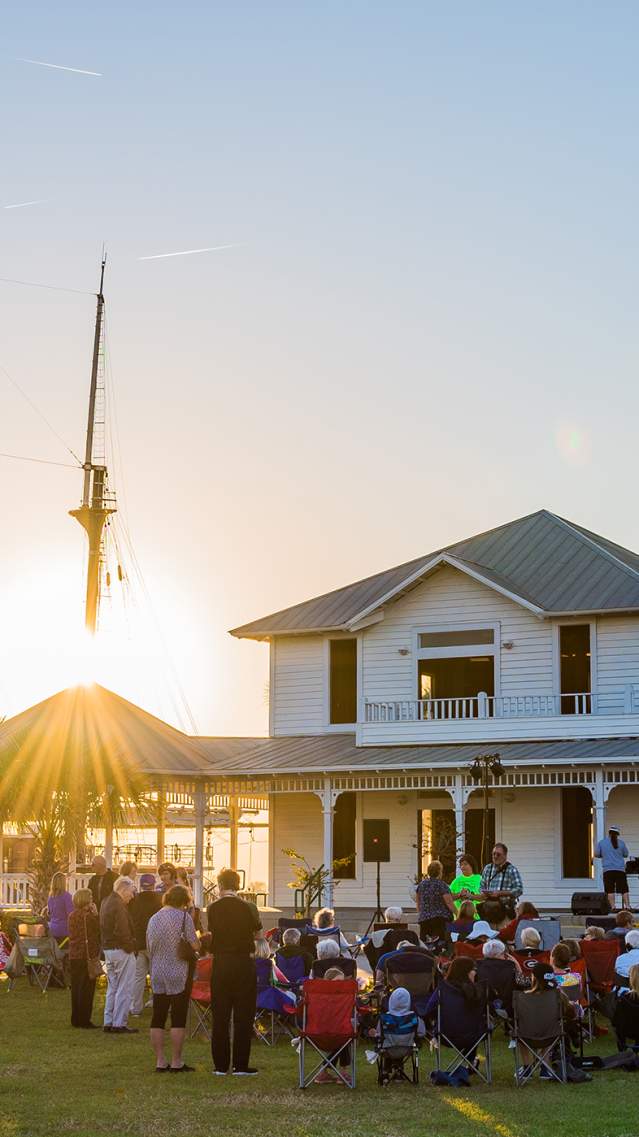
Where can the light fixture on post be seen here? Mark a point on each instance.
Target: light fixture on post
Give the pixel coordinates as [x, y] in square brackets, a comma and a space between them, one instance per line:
[482, 768]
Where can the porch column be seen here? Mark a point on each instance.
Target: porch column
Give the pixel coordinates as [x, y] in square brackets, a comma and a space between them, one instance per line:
[234, 816]
[199, 802]
[328, 810]
[599, 828]
[459, 802]
[160, 826]
[108, 829]
[1, 849]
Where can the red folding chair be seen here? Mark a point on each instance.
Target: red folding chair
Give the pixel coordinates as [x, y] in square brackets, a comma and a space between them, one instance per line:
[463, 947]
[200, 999]
[329, 1026]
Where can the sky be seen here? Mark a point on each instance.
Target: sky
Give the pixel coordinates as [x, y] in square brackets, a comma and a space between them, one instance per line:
[425, 326]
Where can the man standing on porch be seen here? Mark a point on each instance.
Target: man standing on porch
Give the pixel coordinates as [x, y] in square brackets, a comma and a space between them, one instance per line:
[500, 880]
[233, 925]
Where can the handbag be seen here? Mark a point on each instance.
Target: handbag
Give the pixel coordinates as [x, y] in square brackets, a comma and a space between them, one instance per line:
[94, 963]
[185, 949]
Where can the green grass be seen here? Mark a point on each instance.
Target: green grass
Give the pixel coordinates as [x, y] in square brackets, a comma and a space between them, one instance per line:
[55, 1080]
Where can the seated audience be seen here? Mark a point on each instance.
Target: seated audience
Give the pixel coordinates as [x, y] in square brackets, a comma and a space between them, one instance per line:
[543, 981]
[629, 958]
[524, 911]
[530, 940]
[481, 932]
[560, 960]
[291, 948]
[573, 948]
[625, 1019]
[324, 926]
[594, 933]
[461, 975]
[623, 923]
[326, 949]
[344, 1057]
[405, 947]
[501, 973]
[465, 920]
[493, 912]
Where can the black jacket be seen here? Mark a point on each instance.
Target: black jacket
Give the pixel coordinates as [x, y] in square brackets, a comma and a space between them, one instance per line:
[102, 886]
[142, 907]
[116, 928]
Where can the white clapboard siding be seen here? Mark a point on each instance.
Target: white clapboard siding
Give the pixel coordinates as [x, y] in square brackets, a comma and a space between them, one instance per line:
[451, 597]
[617, 658]
[296, 824]
[298, 685]
[397, 875]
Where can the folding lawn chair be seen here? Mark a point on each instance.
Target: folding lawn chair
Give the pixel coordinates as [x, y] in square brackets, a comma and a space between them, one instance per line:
[464, 947]
[329, 1027]
[347, 966]
[539, 1025]
[600, 957]
[549, 928]
[415, 971]
[42, 961]
[396, 1046]
[200, 1018]
[293, 970]
[272, 1005]
[465, 1029]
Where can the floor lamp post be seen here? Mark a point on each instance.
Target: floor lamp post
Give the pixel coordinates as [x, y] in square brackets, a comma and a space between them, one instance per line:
[482, 768]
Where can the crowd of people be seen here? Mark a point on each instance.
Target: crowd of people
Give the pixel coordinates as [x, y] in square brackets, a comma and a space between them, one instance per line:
[477, 935]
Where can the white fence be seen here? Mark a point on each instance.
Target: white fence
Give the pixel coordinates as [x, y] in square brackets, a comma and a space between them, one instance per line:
[15, 887]
[483, 706]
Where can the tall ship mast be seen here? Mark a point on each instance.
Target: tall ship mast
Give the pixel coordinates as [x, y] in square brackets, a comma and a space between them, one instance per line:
[98, 503]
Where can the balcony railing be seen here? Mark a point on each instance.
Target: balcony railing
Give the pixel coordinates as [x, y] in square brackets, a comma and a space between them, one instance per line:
[483, 706]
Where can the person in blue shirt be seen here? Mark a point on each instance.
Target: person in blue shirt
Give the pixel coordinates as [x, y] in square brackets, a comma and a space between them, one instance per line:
[613, 853]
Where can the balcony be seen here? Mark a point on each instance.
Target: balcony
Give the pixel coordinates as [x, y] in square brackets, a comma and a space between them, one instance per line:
[483, 717]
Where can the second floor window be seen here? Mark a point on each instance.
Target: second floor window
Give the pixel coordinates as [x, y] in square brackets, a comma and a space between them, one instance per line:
[456, 664]
[343, 681]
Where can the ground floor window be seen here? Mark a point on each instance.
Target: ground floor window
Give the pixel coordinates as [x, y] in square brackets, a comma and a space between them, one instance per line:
[576, 832]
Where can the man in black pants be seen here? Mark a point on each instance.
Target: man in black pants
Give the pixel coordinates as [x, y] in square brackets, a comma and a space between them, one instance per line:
[233, 925]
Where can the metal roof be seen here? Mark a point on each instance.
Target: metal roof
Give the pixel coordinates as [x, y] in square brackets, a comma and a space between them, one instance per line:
[543, 561]
[330, 753]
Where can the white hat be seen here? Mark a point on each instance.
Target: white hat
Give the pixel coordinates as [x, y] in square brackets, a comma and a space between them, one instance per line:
[482, 928]
[614, 829]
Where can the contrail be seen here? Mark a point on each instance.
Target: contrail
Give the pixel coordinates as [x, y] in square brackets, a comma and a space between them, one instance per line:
[58, 67]
[188, 252]
[21, 204]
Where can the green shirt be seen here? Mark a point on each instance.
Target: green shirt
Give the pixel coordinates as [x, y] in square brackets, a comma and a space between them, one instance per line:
[467, 883]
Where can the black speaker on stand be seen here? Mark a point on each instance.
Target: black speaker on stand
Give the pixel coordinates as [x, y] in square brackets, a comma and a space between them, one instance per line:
[376, 850]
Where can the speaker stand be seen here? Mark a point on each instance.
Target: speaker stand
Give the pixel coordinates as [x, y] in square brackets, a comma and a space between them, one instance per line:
[378, 915]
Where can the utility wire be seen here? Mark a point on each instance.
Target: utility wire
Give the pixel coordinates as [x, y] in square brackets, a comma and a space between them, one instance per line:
[51, 287]
[39, 413]
[42, 461]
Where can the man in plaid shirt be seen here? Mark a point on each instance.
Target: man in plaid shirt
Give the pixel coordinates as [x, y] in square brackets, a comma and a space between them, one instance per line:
[500, 880]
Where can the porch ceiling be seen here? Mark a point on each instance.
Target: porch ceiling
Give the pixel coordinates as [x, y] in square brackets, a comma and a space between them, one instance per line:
[338, 752]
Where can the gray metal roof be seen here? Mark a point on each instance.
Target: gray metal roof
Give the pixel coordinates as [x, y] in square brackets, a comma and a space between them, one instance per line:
[543, 560]
[338, 752]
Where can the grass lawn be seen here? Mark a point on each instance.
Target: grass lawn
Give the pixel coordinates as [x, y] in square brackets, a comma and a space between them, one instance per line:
[55, 1080]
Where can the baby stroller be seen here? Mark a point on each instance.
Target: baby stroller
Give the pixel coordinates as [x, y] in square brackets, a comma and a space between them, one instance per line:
[397, 1041]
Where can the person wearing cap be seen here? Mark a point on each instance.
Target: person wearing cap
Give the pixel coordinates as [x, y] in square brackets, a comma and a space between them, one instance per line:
[144, 905]
[613, 854]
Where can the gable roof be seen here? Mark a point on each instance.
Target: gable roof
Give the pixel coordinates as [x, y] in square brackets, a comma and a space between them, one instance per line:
[88, 719]
[542, 561]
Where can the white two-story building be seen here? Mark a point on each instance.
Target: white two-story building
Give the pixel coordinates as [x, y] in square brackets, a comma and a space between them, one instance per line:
[523, 640]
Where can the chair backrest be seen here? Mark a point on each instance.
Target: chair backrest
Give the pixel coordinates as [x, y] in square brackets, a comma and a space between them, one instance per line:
[464, 947]
[459, 1019]
[549, 929]
[526, 957]
[346, 965]
[538, 1016]
[264, 973]
[600, 957]
[323, 933]
[329, 1009]
[39, 950]
[201, 987]
[499, 976]
[291, 966]
[398, 1031]
[285, 922]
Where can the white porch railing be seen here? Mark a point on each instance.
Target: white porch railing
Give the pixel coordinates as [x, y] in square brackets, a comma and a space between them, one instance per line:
[15, 887]
[483, 706]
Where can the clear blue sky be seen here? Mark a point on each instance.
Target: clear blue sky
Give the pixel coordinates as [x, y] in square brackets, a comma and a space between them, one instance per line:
[428, 326]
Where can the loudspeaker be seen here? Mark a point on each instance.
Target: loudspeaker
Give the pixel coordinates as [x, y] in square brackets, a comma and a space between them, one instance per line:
[589, 904]
[632, 867]
[376, 839]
